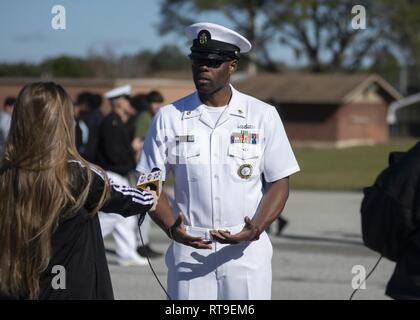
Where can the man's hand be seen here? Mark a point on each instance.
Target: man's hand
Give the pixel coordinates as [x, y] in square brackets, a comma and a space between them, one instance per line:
[249, 233]
[178, 233]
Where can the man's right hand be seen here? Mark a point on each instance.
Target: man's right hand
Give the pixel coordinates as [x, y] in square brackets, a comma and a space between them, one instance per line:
[178, 233]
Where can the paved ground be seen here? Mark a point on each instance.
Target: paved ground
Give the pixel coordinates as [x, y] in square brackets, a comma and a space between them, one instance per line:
[313, 259]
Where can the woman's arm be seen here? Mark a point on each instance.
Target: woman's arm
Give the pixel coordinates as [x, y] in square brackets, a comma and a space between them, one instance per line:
[123, 200]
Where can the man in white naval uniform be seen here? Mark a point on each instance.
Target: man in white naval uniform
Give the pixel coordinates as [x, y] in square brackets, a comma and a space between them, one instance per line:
[218, 143]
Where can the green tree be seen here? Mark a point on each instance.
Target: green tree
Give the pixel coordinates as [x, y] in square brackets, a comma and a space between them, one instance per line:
[245, 15]
[319, 31]
[19, 70]
[169, 58]
[387, 65]
[66, 66]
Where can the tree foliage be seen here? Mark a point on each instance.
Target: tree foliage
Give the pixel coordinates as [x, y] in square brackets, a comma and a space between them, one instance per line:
[317, 31]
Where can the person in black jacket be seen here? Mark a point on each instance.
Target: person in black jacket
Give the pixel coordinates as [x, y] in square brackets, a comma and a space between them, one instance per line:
[391, 221]
[116, 155]
[88, 120]
[49, 199]
[115, 152]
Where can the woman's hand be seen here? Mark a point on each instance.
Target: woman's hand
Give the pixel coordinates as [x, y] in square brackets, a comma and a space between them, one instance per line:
[155, 199]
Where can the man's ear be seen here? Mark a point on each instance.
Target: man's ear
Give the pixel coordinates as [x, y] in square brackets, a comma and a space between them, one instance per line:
[233, 66]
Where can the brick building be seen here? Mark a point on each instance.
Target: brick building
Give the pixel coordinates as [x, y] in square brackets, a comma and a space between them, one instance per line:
[171, 89]
[317, 109]
[327, 109]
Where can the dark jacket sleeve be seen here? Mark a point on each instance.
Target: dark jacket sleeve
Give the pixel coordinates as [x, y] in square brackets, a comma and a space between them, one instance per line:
[124, 200]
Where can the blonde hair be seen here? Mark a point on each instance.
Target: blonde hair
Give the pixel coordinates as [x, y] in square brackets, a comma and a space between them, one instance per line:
[35, 185]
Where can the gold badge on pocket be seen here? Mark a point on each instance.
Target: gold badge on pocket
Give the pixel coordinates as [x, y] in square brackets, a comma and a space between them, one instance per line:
[245, 171]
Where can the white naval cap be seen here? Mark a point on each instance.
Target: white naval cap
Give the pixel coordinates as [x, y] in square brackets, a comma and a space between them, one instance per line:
[117, 92]
[205, 31]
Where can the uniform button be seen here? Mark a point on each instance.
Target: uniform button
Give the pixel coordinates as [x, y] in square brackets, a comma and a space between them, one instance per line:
[216, 198]
[216, 176]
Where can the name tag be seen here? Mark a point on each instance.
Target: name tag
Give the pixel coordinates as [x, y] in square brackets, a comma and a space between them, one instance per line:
[185, 138]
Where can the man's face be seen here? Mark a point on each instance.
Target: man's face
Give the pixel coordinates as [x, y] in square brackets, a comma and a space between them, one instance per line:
[77, 111]
[211, 75]
[154, 107]
[8, 108]
[124, 104]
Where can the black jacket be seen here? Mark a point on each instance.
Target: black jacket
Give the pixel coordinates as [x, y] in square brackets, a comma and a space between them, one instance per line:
[77, 244]
[93, 121]
[391, 220]
[114, 146]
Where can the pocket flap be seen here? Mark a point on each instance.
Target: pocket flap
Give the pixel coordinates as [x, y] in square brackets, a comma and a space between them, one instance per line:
[187, 150]
[244, 151]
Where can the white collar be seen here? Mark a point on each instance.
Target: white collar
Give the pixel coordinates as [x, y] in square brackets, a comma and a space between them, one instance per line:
[237, 106]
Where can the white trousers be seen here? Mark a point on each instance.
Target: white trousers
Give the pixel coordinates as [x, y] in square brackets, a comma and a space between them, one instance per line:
[226, 272]
[123, 229]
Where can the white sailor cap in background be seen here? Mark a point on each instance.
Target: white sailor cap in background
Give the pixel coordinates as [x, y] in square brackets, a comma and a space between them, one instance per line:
[203, 32]
[117, 92]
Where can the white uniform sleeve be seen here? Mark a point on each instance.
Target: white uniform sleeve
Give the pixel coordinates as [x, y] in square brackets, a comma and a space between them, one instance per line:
[154, 153]
[279, 160]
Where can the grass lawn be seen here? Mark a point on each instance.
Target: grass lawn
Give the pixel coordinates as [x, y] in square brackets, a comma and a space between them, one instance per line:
[344, 169]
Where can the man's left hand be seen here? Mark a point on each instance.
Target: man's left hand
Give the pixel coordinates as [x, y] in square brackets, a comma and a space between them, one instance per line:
[249, 233]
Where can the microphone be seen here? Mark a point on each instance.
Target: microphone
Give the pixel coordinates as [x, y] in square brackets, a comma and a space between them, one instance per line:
[151, 180]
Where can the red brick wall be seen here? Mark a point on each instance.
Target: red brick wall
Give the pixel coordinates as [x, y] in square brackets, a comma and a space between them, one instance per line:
[327, 123]
[363, 121]
[310, 122]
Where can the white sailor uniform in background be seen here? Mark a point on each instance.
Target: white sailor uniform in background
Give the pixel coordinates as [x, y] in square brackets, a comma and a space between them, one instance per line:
[116, 156]
[217, 172]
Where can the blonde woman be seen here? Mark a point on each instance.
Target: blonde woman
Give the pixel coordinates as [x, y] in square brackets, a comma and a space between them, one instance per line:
[49, 199]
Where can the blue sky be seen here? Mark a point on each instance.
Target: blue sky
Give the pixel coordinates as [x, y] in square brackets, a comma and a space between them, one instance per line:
[124, 26]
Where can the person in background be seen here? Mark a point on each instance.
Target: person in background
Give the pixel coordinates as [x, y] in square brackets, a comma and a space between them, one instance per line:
[80, 130]
[49, 199]
[9, 103]
[89, 120]
[116, 155]
[5, 118]
[154, 101]
[390, 221]
[147, 105]
[141, 122]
